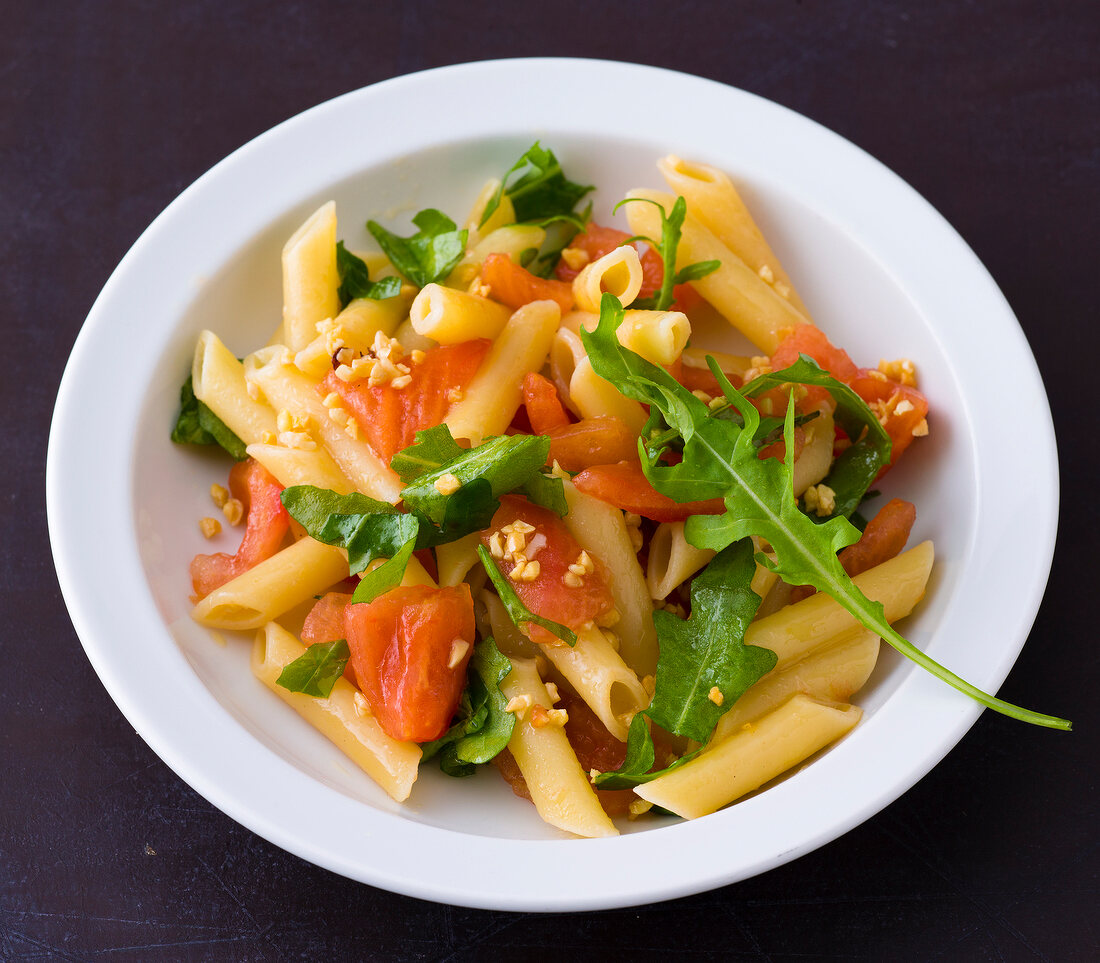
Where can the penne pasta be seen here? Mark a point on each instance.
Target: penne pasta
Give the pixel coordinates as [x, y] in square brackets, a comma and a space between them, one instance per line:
[619, 272]
[218, 381]
[448, 316]
[343, 717]
[310, 279]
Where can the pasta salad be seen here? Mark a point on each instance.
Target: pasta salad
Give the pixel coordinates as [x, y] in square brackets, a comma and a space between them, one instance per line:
[500, 507]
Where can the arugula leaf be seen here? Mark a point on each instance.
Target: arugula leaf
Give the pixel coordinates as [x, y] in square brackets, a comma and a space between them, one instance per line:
[430, 254]
[541, 191]
[483, 725]
[386, 576]
[316, 672]
[504, 463]
[557, 240]
[517, 611]
[720, 460]
[198, 425]
[434, 448]
[355, 279]
[546, 491]
[704, 652]
[672, 224]
[855, 468]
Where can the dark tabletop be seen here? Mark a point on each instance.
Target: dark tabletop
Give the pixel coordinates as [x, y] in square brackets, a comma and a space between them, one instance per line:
[991, 110]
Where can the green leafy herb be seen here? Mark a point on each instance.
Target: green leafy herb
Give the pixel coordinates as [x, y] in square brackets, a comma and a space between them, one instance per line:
[316, 672]
[386, 576]
[517, 611]
[500, 464]
[482, 725]
[699, 654]
[558, 238]
[546, 491]
[672, 225]
[430, 254]
[198, 425]
[540, 191]
[355, 279]
[720, 460]
[856, 467]
[434, 448]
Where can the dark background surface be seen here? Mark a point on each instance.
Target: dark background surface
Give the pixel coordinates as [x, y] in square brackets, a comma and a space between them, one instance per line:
[109, 110]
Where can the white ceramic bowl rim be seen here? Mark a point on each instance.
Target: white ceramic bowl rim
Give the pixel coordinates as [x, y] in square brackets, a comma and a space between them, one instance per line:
[97, 410]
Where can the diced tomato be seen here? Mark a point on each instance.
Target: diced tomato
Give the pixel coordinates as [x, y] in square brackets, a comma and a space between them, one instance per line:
[325, 623]
[390, 417]
[701, 379]
[597, 241]
[543, 403]
[267, 525]
[548, 595]
[625, 486]
[810, 340]
[883, 538]
[426, 557]
[903, 408]
[592, 441]
[515, 286]
[402, 646]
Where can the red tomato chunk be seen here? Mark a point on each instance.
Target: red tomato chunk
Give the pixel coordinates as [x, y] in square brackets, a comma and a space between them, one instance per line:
[410, 648]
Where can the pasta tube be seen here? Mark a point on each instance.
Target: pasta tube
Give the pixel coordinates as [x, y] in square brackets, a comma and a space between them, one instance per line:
[344, 717]
[310, 278]
[218, 381]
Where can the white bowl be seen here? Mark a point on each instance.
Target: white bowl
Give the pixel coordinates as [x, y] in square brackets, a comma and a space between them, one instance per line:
[884, 275]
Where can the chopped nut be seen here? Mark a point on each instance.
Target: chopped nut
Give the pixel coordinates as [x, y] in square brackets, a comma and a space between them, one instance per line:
[344, 373]
[362, 707]
[903, 406]
[593, 774]
[572, 580]
[297, 439]
[766, 274]
[715, 695]
[577, 570]
[552, 691]
[455, 395]
[758, 365]
[783, 290]
[820, 499]
[702, 396]
[447, 484]
[716, 403]
[339, 415]
[218, 495]
[518, 705]
[496, 547]
[611, 617]
[575, 257]
[209, 527]
[233, 511]
[556, 717]
[639, 807]
[351, 429]
[540, 718]
[921, 428]
[516, 542]
[536, 545]
[521, 527]
[531, 571]
[902, 371]
[417, 356]
[269, 438]
[459, 648]
[584, 560]
[253, 390]
[331, 400]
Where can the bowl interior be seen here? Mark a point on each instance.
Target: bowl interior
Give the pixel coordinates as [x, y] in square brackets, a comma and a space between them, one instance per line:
[857, 301]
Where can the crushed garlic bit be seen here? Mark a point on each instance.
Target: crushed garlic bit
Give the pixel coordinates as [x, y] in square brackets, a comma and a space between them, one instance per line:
[821, 500]
[233, 511]
[447, 484]
[209, 527]
[218, 495]
[715, 695]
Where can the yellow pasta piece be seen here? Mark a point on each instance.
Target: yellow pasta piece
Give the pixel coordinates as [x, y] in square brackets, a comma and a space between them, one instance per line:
[749, 303]
[493, 397]
[672, 559]
[218, 381]
[310, 278]
[619, 272]
[273, 586]
[344, 717]
[658, 336]
[797, 630]
[293, 466]
[558, 786]
[448, 316]
[712, 198]
[752, 756]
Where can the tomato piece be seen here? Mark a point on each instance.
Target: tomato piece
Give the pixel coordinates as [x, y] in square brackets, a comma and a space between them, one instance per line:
[390, 417]
[625, 486]
[901, 409]
[592, 441]
[401, 648]
[597, 241]
[258, 491]
[325, 623]
[810, 340]
[514, 286]
[543, 404]
[548, 594]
